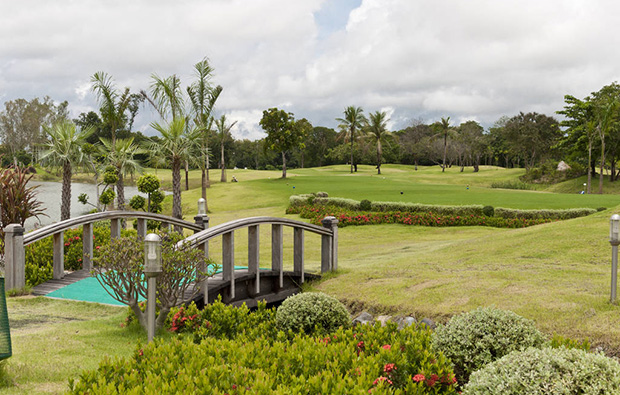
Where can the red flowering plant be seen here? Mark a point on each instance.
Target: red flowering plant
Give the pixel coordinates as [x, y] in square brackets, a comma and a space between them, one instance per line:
[185, 319]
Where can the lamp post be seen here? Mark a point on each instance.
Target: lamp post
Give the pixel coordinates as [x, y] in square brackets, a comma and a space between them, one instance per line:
[614, 240]
[202, 219]
[152, 269]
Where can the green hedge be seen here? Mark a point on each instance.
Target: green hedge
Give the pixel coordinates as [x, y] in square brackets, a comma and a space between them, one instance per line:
[543, 214]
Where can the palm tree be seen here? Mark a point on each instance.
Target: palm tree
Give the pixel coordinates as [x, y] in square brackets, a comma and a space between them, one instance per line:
[377, 130]
[65, 149]
[202, 97]
[175, 144]
[224, 135]
[121, 156]
[353, 121]
[443, 129]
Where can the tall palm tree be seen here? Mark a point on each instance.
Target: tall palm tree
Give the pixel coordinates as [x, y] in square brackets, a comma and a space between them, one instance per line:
[121, 156]
[65, 149]
[223, 132]
[377, 131]
[175, 144]
[167, 96]
[443, 129]
[202, 96]
[352, 122]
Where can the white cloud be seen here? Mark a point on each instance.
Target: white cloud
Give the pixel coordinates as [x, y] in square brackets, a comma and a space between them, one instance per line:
[477, 59]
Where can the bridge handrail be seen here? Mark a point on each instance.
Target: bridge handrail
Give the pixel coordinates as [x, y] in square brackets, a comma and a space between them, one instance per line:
[51, 229]
[218, 230]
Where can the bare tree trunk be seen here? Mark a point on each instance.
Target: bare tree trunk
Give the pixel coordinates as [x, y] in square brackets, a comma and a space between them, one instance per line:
[378, 157]
[302, 159]
[222, 163]
[186, 175]
[589, 182]
[283, 165]
[600, 179]
[203, 183]
[415, 161]
[445, 150]
[351, 152]
[176, 189]
[120, 192]
[65, 208]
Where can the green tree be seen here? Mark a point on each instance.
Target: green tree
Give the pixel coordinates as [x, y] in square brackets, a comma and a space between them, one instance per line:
[65, 149]
[305, 128]
[175, 143]
[350, 124]
[282, 134]
[606, 107]
[414, 141]
[443, 129]
[533, 135]
[223, 134]
[121, 156]
[202, 96]
[376, 129]
[471, 136]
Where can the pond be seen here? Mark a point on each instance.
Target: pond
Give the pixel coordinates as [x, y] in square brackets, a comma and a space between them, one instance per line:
[49, 193]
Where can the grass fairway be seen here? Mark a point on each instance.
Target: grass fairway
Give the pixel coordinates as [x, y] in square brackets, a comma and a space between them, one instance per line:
[557, 274]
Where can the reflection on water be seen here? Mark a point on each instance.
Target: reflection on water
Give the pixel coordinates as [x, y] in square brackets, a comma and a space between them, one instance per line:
[49, 194]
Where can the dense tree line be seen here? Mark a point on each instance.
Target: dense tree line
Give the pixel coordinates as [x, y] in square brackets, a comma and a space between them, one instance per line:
[191, 137]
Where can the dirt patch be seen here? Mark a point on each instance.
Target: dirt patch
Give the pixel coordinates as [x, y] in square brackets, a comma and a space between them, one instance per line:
[39, 320]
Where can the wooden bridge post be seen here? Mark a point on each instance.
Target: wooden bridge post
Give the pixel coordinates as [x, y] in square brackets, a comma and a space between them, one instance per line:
[203, 221]
[298, 253]
[87, 247]
[142, 228]
[253, 255]
[329, 245]
[59, 255]
[115, 228]
[14, 257]
[277, 252]
[228, 260]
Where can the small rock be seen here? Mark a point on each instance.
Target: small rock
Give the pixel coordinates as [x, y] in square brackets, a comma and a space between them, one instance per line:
[383, 319]
[429, 323]
[363, 318]
[403, 322]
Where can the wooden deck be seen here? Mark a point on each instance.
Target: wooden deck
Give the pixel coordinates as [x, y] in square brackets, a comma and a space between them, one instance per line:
[53, 285]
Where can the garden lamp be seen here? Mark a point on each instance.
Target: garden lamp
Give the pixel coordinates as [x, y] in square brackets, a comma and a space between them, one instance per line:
[152, 269]
[614, 240]
[202, 206]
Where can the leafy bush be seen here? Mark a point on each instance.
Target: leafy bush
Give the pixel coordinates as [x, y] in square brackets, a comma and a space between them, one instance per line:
[338, 202]
[366, 359]
[222, 321]
[365, 205]
[489, 211]
[474, 339]
[300, 200]
[547, 371]
[558, 341]
[543, 214]
[349, 217]
[513, 184]
[311, 311]
[137, 202]
[601, 209]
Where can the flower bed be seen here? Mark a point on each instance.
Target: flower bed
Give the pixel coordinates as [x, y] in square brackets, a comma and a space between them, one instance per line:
[350, 217]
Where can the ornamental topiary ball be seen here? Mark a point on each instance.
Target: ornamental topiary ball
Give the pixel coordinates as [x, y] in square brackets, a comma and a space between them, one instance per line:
[472, 340]
[310, 311]
[547, 371]
[365, 205]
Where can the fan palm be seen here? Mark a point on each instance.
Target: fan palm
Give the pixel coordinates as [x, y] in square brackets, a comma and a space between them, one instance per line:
[65, 149]
[352, 122]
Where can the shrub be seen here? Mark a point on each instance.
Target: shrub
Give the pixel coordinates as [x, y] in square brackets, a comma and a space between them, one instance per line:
[366, 359]
[307, 312]
[547, 371]
[365, 205]
[322, 194]
[558, 341]
[599, 209]
[474, 339]
[514, 184]
[489, 211]
[543, 214]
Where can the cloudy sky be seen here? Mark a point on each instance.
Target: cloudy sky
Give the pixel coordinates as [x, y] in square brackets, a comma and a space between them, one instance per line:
[415, 59]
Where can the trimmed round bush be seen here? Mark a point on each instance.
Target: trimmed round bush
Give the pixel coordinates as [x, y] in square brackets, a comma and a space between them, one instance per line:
[489, 211]
[547, 371]
[365, 205]
[474, 339]
[306, 312]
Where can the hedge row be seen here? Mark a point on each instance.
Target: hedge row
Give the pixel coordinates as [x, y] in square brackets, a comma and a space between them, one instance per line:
[320, 199]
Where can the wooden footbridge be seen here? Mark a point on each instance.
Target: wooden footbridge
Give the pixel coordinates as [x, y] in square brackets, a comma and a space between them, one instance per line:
[233, 285]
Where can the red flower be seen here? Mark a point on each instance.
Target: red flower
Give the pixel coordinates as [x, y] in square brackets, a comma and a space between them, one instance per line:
[418, 377]
[389, 367]
[98, 247]
[387, 347]
[67, 244]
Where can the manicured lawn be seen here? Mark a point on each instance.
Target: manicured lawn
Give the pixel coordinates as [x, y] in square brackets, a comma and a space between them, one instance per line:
[557, 274]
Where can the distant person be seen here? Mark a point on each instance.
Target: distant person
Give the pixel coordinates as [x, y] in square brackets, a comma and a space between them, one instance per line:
[234, 179]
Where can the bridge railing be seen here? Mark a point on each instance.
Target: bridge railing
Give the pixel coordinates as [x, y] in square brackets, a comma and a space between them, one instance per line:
[16, 240]
[329, 247]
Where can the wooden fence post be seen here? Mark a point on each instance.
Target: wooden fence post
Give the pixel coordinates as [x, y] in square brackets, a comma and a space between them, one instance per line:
[228, 260]
[298, 252]
[253, 255]
[14, 257]
[329, 259]
[203, 221]
[59, 255]
[115, 228]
